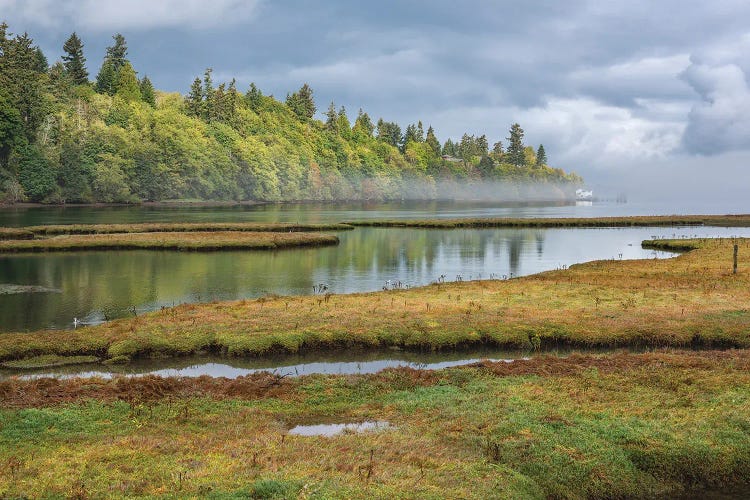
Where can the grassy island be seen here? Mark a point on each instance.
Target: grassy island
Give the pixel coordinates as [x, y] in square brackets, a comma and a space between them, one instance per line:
[195, 241]
[693, 299]
[184, 227]
[552, 222]
[12, 233]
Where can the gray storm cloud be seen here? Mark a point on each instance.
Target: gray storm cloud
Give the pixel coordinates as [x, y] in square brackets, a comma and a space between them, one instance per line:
[720, 122]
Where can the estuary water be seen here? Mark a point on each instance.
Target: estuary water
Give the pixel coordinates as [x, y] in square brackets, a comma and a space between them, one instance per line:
[49, 290]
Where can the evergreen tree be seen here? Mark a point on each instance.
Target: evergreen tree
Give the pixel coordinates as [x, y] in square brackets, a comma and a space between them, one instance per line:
[127, 83]
[420, 131]
[114, 59]
[411, 134]
[482, 145]
[118, 52]
[363, 126]
[194, 100]
[432, 141]
[209, 104]
[449, 148]
[390, 133]
[22, 80]
[208, 84]
[497, 148]
[332, 123]
[11, 125]
[254, 97]
[515, 153]
[306, 99]
[541, 156]
[302, 103]
[486, 166]
[147, 91]
[232, 100]
[41, 64]
[106, 79]
[345, 128]
[74, 61]
[468, 148]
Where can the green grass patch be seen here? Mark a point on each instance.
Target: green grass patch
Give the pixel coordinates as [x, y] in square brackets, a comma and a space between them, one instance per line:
[48, 361]
[185, 241]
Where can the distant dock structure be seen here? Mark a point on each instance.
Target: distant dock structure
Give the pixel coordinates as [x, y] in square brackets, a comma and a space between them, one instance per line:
[584, 195]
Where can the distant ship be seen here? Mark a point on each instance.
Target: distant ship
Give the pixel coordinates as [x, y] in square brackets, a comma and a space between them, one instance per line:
[583, 195]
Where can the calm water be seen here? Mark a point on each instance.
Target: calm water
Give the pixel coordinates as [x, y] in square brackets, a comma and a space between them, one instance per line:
[344, 212]
[48, 291]
[336, 362]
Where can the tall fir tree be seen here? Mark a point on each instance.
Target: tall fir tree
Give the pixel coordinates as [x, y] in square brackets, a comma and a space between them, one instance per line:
[147, 91]
[114, 59]
[118, 53]
[344, 126]
[432, 141]
[41, 65]
[194, 99]
[515, 153]
[74, 61]
[22, 80]
[332, 122]
[541, 156]
[254, 97]
[307, 101]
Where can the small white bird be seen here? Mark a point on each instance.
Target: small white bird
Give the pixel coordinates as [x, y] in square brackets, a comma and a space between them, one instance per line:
[75, 322]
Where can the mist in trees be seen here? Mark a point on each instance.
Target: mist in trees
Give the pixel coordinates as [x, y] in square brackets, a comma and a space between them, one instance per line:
[64, 138]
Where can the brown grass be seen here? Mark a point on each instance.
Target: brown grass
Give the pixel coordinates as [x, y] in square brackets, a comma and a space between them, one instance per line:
[45, 392]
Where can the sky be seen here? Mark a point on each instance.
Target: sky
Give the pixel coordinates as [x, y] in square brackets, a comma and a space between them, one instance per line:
[645, 97]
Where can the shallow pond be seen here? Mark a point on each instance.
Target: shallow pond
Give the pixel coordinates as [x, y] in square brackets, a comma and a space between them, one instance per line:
[328, 430]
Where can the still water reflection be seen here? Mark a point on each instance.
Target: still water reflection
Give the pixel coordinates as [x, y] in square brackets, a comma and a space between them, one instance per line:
[93, 286]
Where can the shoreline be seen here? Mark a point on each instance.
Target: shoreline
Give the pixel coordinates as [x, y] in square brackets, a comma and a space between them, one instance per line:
[599, 303]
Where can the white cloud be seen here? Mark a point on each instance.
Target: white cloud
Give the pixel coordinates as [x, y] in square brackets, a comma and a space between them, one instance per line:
[130, 14]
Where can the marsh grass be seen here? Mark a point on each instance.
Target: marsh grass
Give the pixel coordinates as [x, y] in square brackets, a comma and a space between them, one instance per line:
[182, 227]
[48, 361]
[688, 300]
[542, 222]
[12, 233]
[195, 241]
[613, 426]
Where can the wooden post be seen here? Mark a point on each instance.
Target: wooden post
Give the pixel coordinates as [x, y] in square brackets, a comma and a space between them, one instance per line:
[734, 269]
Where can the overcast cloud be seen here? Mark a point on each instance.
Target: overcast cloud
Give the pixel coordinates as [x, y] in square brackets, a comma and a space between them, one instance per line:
[615, 90]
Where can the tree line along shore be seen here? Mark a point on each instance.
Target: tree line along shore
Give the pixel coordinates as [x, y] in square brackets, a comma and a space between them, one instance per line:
[68, 138]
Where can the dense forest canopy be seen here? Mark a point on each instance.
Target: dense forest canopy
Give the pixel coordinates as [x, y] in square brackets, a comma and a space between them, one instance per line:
[65, 138]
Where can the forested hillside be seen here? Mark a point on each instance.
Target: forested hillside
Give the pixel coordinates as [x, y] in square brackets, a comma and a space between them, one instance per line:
[70, 136]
